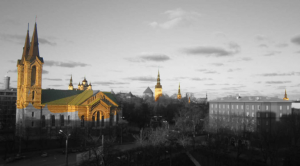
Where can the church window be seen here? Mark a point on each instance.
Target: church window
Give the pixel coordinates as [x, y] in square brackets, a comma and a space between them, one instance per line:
[267, 107]
[32, 114]
[62, 120]
[43, 121]
[252, 107]
[288, 107]
[52, 120]
[280, 108]
[32, 95]
[82, 121]
[93, 121]
[98, 118]
[280, 115]
[33, 75]
[102, 121]
[258, 107]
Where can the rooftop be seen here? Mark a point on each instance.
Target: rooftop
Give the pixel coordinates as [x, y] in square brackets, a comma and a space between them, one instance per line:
[249, 99]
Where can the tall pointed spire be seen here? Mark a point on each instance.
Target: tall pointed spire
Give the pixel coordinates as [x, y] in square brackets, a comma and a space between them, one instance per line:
[285, 96]
[71, 81]
[26, 46]
[179, 94]
[34, 46]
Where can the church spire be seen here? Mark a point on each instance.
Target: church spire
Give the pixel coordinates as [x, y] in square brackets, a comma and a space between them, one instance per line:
[26, 46]
[71, 81]
[285, 96]
[34, 46]
[179, 94]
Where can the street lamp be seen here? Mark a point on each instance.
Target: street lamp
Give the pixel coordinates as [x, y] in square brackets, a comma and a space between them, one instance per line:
[67, 137]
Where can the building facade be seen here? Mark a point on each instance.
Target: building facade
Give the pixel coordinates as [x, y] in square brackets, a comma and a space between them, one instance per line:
[51, 110]
[246, 114]
[8, 97]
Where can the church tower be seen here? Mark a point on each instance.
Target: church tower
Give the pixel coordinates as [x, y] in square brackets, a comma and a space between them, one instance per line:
[30, 67]
[285, 96]
[71, 84]
[158, 88]
[179, 94]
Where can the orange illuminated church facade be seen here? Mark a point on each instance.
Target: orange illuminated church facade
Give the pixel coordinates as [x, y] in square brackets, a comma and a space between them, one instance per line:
[52, 109]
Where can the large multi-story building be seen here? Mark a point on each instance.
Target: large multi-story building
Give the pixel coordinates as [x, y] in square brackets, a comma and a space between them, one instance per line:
[50, 109]
[8, 97]
[247, 113]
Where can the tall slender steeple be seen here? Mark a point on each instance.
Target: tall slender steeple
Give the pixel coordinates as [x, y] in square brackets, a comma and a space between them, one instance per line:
[34, 46]
[26, 46]
[179, 94]
[158, 88]
[285, 96]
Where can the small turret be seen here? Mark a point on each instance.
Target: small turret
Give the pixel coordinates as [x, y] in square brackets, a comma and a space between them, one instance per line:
[179, 94]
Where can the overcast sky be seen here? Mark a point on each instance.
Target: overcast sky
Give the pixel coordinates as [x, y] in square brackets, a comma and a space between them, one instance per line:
[222, 47]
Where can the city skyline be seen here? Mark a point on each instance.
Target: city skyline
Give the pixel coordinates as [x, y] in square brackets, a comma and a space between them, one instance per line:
[217, 47]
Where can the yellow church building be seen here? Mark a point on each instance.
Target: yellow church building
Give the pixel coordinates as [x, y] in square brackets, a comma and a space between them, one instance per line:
[51, 109]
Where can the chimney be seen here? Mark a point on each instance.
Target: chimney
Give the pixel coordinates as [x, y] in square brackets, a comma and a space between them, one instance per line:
[6, 82]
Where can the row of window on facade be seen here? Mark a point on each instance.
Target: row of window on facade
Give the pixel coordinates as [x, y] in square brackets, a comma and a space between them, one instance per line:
[258, 107]
[247, 114]
[8, 93]
[95, 120]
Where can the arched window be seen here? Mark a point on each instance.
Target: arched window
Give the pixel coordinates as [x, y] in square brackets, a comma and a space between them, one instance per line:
[32, 95]
[93, 121]
[82, 121]
[33, 75]
[102, 122]
[98, 119]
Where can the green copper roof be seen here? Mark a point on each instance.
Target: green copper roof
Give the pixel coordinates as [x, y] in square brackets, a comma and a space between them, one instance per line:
[111, 96]
[58, 97]
[81, 97]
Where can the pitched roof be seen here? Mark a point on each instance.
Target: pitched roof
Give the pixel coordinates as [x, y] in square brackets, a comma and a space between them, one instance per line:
[249, 99]
[148, 90]
[111, 96]
[58, 97]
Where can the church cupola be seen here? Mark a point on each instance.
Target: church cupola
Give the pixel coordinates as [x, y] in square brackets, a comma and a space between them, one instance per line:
[90, 86]
[84, 82]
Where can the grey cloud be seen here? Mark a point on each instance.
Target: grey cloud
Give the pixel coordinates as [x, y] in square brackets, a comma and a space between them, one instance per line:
[232, 70]
[144, 79]
[52, 79]
[279, 74]
[207, 71]
[56, 85]
[106, 83]
[20, 39]
[217, 64]
[272, 53]
[201, 70]
[277, 82]
[149, 57]
[281, 45]
[45, 41]
[214, 51]
[241, 59]
[263, 46]
[200, 79]
[69, 64]
[281, 87]
[45, 71]
[13, 71]
[296, 40]
[177, 18]
[210, 84]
